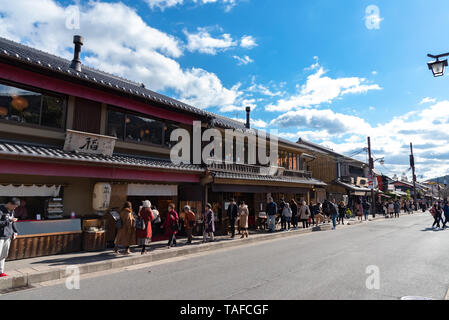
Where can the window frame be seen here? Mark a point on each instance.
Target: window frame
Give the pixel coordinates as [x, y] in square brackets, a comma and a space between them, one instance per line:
[43, 93]
[129, 112]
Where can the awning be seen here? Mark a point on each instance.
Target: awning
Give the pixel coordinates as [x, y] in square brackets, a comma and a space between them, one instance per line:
[142, 190]
[269, 180]
[256, 189]
[29, 190]
[358, 193]
[353, 187]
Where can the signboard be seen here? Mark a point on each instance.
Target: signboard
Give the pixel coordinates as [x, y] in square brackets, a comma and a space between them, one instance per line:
[84, 142]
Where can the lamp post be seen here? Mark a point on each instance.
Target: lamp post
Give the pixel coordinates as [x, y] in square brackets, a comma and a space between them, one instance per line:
[437, 66]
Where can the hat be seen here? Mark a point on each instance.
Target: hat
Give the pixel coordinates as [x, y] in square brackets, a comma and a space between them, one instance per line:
[146, 204]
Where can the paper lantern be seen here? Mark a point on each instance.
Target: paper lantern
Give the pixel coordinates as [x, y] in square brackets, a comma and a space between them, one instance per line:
[101, 196]
[19, 103]
[3, 111]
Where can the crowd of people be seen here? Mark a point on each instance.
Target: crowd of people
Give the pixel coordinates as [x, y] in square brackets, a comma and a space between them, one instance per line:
[137, 229]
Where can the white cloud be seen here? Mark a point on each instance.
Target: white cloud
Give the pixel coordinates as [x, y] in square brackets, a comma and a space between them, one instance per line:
[428, 100]
[320, 89]
[203, 42]
[248, 42]
[163, 4]
[427, 129]
[243, 61]
[116, 40]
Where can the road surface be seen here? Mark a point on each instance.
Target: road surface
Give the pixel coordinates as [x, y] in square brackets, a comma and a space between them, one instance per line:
[411, 260]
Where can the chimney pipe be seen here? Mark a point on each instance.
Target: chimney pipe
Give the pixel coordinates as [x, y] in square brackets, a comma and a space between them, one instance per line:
[248, 113]
[76, 62]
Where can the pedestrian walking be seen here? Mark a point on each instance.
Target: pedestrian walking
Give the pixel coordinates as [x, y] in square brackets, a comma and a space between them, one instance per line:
[304, 214]
[209, 224]
[366, 206]
[232, 213]
[171, 225]
[359, 210]
[391, 208]
[287, 217]
[243, 219]
[8, 230]
[314, 210]
[281, 216]
[446, 213]
[436, 213]
[272, 210]
[341, 212]
[294, 208]
[126, 233]
[144, 232]
[326, 210]
[396, 207]
[189, 223]
[334, 213]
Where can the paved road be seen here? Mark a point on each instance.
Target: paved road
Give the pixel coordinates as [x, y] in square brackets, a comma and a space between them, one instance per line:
[412, 260]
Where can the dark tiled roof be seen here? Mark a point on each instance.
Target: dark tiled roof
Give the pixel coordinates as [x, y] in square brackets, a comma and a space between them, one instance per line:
[54, 153]
[26, 54]
[254, 177]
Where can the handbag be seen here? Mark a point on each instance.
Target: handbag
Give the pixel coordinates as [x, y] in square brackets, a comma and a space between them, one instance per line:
[140, 224]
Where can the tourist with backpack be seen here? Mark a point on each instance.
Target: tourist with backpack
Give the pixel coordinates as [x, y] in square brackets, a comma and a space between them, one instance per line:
[143, 226]
[171, 225]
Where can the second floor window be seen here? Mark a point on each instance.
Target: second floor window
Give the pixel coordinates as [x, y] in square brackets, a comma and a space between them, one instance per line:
[30, 107]
[140, 129]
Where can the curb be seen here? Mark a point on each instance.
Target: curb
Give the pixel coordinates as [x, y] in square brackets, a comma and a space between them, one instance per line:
[28, 279]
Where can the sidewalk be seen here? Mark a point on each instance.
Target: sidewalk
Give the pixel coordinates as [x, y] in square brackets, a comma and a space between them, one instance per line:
[28, 272]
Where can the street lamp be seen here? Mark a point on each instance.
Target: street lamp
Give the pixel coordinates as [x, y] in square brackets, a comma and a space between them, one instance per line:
[438, 65]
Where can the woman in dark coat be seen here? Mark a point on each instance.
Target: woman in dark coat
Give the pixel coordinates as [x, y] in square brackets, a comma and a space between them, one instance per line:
[341, 212]
[209, 223]
[294, 207]
[144, 235]
[171, 225]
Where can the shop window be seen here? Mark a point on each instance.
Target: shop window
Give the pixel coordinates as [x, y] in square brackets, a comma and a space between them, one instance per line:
[116, 124]
[168, 129]
[140, 129]
[29, 107]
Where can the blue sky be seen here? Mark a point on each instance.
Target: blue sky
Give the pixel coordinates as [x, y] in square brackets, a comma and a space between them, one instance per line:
[329, 71]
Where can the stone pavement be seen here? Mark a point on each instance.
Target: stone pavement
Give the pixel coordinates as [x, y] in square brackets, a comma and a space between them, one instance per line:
[29, 272]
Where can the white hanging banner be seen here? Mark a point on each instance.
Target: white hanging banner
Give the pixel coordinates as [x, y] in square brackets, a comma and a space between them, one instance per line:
[142, 190]
[29, 191]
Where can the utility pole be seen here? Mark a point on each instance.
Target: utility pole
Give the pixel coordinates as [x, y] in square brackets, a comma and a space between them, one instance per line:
[412, 164]
[371, 167]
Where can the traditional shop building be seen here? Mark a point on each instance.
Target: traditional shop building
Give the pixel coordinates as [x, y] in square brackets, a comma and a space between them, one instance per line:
[76, 143]
[346, 178]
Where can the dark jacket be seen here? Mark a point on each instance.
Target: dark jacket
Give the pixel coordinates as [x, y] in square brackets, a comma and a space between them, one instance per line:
[7, 228]
[294, 208]
[272, 209]
[232, 211]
